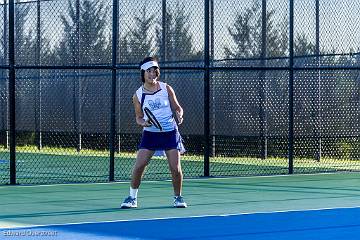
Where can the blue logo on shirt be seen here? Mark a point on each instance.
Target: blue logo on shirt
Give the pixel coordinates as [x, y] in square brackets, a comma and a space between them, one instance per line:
[155, 105]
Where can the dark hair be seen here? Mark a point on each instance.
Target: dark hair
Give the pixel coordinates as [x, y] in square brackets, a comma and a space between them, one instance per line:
[148, 59]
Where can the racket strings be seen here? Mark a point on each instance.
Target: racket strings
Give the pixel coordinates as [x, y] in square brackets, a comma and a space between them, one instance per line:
[152, 118]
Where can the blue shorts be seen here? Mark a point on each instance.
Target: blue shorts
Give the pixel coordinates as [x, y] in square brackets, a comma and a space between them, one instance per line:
[161, 140]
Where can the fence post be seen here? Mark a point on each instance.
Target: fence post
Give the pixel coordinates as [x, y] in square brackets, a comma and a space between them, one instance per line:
[291, 89]
[207, 90]
[164, 31]
[113, 91]
[38, 135]
[6, 107]
[263, 86]
[318, 97]
[77, 88]
[12, 92]
[164, 37]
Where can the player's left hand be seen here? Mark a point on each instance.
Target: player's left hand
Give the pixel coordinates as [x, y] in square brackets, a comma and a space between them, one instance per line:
[179, 118]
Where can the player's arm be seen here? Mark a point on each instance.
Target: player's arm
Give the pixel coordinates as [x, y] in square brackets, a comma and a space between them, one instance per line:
[139, 113]
[174, 103]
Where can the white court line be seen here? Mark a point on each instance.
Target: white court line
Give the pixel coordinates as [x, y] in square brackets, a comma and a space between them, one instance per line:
[188, 217]
[4, 224]
[185, 179]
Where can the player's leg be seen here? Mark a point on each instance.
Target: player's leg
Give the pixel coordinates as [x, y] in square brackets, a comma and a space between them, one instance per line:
[173, 157]
[142, 159]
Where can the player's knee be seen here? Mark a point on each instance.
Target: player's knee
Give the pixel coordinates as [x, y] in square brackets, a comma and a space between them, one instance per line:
[140, 167]
[176, 169]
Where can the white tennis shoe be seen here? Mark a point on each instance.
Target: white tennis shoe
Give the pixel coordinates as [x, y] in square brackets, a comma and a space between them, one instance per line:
[129, 202]
[179, 202]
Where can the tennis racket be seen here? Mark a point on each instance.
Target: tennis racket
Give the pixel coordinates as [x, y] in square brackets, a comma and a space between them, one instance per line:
[152, 118]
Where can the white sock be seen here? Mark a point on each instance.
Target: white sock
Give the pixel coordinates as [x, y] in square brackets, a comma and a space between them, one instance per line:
[133, 192]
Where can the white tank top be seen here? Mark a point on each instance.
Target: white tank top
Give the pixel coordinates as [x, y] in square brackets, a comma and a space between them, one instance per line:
[159, 104]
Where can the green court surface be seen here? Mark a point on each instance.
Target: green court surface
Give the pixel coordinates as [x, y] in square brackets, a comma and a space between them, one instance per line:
[24, 206]
[64, 166]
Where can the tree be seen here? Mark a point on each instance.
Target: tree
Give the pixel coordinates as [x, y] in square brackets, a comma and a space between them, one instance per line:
[24, 41]
[277, 36]
[242, 33]
[138, 43]
[246, 33]
[85, 38]
[302, 46]
[124, 49]
[178, 38]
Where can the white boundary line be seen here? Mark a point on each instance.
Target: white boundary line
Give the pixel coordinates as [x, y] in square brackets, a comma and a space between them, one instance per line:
[184, 217]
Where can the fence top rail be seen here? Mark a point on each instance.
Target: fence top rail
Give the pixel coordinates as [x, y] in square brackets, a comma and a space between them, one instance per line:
[196, 68]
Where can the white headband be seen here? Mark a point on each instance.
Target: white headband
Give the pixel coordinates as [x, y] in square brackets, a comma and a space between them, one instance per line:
[148, 65]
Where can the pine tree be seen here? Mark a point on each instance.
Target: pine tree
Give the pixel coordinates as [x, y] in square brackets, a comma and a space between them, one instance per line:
[87, 44]
[124, 49]
[139, 43]
[302, 46]
[246, 33]
[24, 41]
[178, 38]
[241, 33]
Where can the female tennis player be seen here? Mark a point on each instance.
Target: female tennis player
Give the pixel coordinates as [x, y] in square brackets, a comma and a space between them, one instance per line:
[161, 100]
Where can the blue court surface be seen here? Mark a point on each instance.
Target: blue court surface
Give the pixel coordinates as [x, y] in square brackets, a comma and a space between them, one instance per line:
[313, 224]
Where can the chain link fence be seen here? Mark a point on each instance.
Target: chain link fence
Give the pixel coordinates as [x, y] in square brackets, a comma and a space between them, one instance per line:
[268, 86]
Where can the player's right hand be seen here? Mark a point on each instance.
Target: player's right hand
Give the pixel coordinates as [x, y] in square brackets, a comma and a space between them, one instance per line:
[146, 123]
